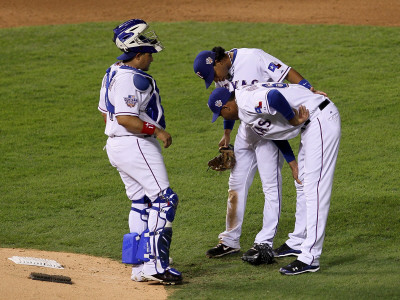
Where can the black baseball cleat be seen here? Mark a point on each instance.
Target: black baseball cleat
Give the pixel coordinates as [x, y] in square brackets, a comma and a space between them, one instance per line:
[285, 250]
[169, 277]
[297, 267]
[251, 254]
[221, 250]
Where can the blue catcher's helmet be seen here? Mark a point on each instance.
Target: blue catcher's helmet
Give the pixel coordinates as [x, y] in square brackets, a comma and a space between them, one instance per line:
[131, 37]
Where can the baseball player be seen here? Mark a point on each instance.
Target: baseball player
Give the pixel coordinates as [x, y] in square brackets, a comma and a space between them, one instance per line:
[282, 111]
[131, 105]
[231, 70]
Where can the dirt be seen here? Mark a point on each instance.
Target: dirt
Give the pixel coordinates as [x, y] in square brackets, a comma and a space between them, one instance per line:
[101, 278]
[360, 12]
[91, 277]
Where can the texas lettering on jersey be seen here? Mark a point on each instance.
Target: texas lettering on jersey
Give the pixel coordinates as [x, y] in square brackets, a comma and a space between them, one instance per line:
[262, 127]
[235, 84]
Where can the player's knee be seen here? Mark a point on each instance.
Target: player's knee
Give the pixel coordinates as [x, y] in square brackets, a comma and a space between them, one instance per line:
[170, 197]
[168, 201]
[141, 206]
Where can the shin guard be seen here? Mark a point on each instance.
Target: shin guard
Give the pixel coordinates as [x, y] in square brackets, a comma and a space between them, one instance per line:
[130, 246]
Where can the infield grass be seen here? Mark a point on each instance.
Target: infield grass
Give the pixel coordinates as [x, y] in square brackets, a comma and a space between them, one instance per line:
[58, 191]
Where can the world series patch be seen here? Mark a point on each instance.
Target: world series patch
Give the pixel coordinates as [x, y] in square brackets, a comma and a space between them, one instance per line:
[130, 101]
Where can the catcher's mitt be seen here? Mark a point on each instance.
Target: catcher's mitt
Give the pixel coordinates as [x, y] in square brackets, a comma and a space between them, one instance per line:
[224, 161]
[259, 254]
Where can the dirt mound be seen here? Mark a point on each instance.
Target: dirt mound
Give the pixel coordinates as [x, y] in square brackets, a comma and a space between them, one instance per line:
[92, 277]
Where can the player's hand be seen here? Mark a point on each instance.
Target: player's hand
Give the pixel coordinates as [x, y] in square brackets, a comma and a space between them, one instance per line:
[164, 136]
[318, 92]
[300, 116]
[226, 139]
[295, 171]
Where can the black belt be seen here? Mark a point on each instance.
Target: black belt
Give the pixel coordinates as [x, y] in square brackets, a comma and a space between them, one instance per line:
[322, 105]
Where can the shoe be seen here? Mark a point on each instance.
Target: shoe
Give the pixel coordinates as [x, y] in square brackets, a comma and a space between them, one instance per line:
[169, 277]
[138, 277]
[285, 250]
[221, 250]
[251, 254]
[297, 267]
[259, 254]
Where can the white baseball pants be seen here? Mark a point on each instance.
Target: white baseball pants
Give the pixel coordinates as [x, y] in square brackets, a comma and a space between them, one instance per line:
[318, 152]
[253, 152]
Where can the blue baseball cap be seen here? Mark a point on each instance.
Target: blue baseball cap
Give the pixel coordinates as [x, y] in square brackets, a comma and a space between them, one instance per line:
[204, 66]
[217, 99]
[127, 55]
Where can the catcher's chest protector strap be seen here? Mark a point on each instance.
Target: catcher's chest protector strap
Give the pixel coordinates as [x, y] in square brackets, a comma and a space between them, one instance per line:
[110, 107]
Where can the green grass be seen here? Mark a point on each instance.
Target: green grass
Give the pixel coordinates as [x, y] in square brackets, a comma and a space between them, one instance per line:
[58, 191]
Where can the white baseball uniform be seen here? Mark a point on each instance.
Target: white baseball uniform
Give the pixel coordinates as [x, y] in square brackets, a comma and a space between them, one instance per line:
[252, 152]
[137, 157]
[319, 146]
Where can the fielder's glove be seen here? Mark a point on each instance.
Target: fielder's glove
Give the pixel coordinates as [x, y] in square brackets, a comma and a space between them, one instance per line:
[224, 161]
[259, 254]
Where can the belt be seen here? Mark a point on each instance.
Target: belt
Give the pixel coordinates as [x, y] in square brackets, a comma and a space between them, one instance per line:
[321, 106]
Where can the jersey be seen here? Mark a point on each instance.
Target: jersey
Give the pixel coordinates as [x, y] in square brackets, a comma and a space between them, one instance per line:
[129, 91]
[250, 66]
[264, 120]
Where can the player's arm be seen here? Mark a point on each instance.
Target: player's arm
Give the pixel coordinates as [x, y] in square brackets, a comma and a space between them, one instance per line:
[137, 126]
[104, 117]
[226, 138]
[277, 101]
[288, 154]
[294, 77]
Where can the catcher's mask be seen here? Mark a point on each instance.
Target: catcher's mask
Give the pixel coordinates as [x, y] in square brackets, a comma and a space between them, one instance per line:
[204, 66]
[218, 98]
[132, 37]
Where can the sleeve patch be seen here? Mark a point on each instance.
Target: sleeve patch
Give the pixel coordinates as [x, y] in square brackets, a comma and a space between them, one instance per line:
[141, 83]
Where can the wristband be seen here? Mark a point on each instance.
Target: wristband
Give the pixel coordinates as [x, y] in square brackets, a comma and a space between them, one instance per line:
[228, 124]
[148, 128]
[305, 83]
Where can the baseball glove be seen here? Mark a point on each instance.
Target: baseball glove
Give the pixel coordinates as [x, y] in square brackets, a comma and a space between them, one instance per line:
[259, 254]
[224, 161]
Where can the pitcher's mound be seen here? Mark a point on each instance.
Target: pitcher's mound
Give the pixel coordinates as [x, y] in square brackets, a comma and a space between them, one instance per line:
[92, 278]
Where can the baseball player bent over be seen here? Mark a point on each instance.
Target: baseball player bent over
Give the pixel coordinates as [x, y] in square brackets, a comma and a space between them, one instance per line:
[282, 111]
[231, 70]
[131, 105]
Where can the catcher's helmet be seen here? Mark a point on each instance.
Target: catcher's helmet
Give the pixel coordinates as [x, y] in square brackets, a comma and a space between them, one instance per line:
[131, 37]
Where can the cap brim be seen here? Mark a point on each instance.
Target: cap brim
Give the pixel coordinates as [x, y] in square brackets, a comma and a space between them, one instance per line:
[215, 117]
[209, 79]
[127, 56]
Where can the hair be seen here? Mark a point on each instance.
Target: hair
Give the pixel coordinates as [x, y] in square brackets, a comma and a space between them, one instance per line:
[219, 53]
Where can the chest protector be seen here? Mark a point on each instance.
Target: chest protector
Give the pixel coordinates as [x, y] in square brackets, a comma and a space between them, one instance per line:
[153, 109]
